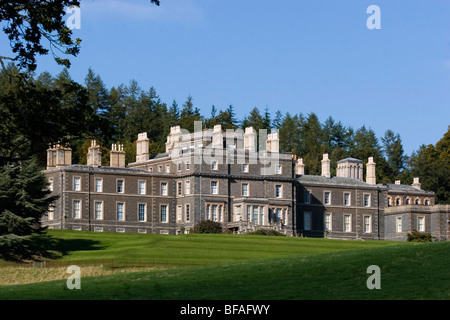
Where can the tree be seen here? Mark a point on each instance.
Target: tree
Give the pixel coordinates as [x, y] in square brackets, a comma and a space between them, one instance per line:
[432, 164]
[255, 120]
[393, 151]
[365, 145]
[33, 24]
[189, 115]
[24, 200]
[37, 113]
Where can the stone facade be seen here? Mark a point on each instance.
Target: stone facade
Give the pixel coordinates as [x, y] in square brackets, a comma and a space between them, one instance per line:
[228, 178]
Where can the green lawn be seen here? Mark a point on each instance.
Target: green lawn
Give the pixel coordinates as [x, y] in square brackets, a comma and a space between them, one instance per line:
[188, 250]
[249, 267]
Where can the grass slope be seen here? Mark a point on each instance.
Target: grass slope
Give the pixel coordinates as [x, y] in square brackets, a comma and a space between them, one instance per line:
[247, 267]
[188, 250]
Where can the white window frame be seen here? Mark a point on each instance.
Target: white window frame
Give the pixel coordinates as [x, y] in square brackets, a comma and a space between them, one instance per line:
[123, 211]
[347, 224]
[399, 224]
[217, 187]
[367, 228]
[142, 191]
[279, 194]
[187, 187]
[327, 223]
[167, 168]
[145, 212]
[123, 186]
[187, 212]
[349, 203]
[79, 209]
[164, 192]
[421, 225]
[245, 167]
[179, 212]
[219, 216]
[167, 213]
[278, 169]
[95, 210]
[76, 186]
[369, 202]
[247, 191]
[179, 188]
[98, 187]
[214, 165]
[327, 203]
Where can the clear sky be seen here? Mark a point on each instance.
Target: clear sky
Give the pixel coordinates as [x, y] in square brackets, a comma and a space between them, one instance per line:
[290, 55]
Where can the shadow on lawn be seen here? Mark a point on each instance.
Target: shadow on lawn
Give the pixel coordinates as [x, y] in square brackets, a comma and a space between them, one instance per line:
[45, 246]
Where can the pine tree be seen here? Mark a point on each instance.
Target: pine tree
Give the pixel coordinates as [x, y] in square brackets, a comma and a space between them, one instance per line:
[24, 200]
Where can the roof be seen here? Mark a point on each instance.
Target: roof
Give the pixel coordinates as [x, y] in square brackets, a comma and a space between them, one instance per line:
[338, 181]
[349, 160]
[405, 188]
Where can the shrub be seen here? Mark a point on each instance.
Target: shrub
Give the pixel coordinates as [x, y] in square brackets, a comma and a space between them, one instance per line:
[207, 226]
[262, 232]
[416, 236]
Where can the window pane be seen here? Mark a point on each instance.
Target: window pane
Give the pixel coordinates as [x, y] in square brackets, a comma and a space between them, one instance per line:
[76, 183]
[164, 189]
[214, 187]
[245, 189]
[76, 209]
[98, 210]
[120, 186]
[306, 196]
[164, 213]
[98, 185]
[307, 220]
[120, 212]
[141, 213]
[255, 214]
[141, 187]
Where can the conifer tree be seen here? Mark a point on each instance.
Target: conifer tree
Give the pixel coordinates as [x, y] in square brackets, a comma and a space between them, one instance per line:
[24, 200]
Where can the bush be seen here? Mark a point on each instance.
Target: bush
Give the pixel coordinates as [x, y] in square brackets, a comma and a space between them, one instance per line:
[207, 226]
[262, 232]
[416, 236]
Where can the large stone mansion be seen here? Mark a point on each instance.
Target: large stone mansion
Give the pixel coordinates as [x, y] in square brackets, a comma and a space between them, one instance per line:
[228, 177]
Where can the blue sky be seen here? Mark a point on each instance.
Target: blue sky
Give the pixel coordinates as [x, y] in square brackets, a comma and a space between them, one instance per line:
[291, 55]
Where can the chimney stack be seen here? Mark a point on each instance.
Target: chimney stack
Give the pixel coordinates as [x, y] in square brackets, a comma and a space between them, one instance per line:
[273, 142]
[142, 147]
[416, 184]
[117, 156]
[250, 139]
[371, 177]
[300, 167]
[94, 155]
[326, 166]
[58, 156]
[217, 137]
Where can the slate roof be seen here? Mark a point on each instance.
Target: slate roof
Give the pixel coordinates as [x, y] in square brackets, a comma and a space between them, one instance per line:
[316, 179]
[349, 159]
[405, 188]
